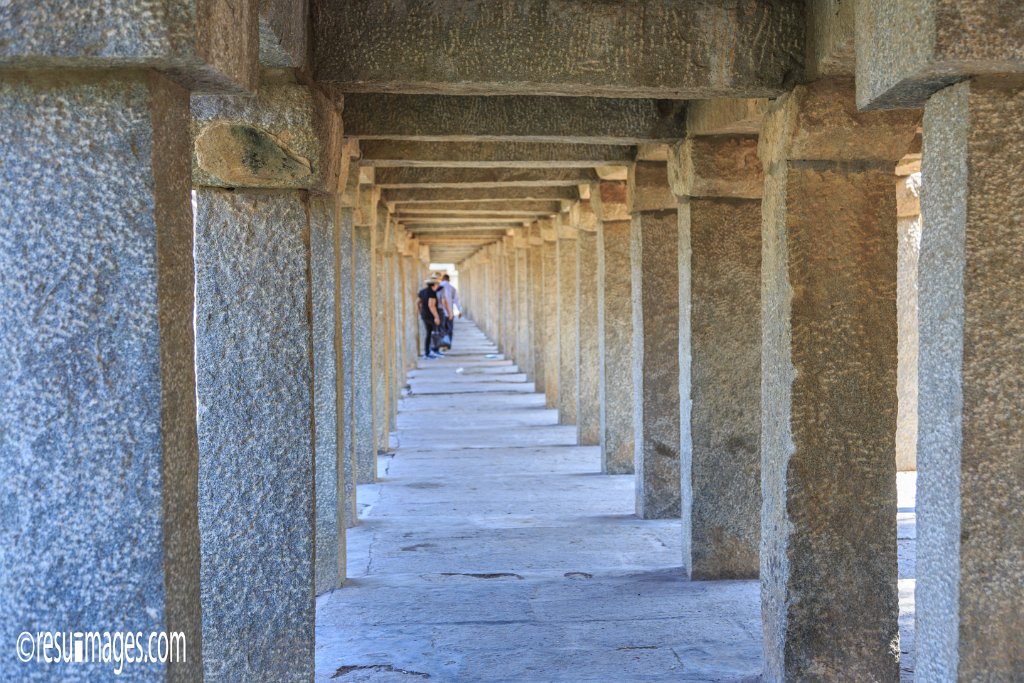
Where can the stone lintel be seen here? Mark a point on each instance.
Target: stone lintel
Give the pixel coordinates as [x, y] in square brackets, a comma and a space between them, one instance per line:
[829, 39]
[494, 208]
[608, 200]
[716, 166]
[645, 48]
[566, 229]
[648, 188]
[584, 191]
[283, 33]
[459, 195]
[397, 153]
[514, 118]
[908, 50]
[725, 116]
[367, 207]
[466, 178]
[549, 229]
[206, 45]
[286, 137]
[534, 234]
[820, 122]
[612, 172]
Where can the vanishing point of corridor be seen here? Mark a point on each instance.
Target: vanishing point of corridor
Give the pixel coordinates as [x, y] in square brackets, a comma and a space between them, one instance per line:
[492, 549]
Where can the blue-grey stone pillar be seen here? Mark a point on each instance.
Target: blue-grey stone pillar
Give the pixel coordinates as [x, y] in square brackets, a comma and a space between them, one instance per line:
[98, 446]
[363, 441]
[254, 374]
[344, 302]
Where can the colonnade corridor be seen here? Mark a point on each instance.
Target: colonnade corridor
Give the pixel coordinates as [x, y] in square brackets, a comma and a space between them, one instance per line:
[492, 548]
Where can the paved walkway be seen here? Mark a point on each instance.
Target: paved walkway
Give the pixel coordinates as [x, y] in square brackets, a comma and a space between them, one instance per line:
[492, 549]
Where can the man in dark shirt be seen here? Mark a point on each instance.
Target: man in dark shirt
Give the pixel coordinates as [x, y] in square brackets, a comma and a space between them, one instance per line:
[426, 304]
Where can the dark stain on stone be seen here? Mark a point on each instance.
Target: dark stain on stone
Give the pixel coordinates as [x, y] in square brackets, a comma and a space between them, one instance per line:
[578, 575]
[424, 485]
[494, 575]
[418, 546]
[637, 647]
[262, 151]
[383, 668]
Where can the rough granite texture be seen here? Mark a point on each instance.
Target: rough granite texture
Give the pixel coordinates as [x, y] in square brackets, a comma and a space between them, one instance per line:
[98, 454]
[908, 50]
[206, 45]
[828, 306]
[908, 233]
[615, 346]
[364, 449]
[343, 298]
[568, 315]
[377, 300]
[971, 524]
[288, 136]
[283, 33]
[654, 256]
[560, 47]
[588, 353]
[719, 166]
[540, 155]
[593, 120]
[724, 467]
[551, 344]
[725, 116]
[524, 344]
[330, 473]
[254, 380]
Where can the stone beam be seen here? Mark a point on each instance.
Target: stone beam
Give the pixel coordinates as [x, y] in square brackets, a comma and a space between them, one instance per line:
[410, 178]
[502, 221]
[908, 50]
[725, 116]
[509, 206]
[645, 48]
[391, 153]
[483, 194]
[725, 166]
[590, 120]
[206, 45]
[282, 25]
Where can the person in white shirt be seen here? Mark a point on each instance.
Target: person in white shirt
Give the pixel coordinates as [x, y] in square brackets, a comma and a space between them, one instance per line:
[450, 298]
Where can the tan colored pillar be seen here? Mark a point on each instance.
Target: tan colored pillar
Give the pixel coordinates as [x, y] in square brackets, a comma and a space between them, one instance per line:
[549, 293]
[568, 321]
[535, 285]
[615, 325]
[654, 256]
[524, 319]
[828, 394]
[719, 181]
[362, 421]
[588, 353]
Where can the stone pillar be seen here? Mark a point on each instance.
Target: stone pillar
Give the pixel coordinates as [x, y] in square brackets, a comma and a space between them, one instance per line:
[524, 319]
[828, 392]
[615, 327]
[329, 451]
[343, 304]
[98, 447]
[588, 357]
[256, 349]
[535, 285]
[568, 322]
[654, 257]
[908, 234]
[718, 181]
[970, 533]
[378, 330]
[549, 300]
[363, 422]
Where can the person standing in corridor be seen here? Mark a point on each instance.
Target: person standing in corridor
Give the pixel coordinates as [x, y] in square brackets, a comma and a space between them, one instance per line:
[426, 304]
[451, 303]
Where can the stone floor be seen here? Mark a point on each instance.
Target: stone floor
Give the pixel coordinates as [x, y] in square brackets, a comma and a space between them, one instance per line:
[493, 550]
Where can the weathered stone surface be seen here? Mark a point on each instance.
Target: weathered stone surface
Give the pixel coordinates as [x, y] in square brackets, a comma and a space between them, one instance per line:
[283, 33]
[98, 455]
[720, 166]
[588, 353]
[524, 344]
[829, 39]
[608, 199]
[820, 122]
[829, 595]
[460, 195]
[615, 346]
[206, 45]
[648, 188]
[363, 441]
[254, 382]
[395, 153]
[906, 51]
[549, 300]
[588, 120]
[654, 257]
[543, 47]
[512, 207]
[345, 297]
[466, 178]
[328, 452]
[722, 472]
[908, 234]
[537, 310]
[288, 136]
[970, 540]
[725, 116]
[568, 313]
